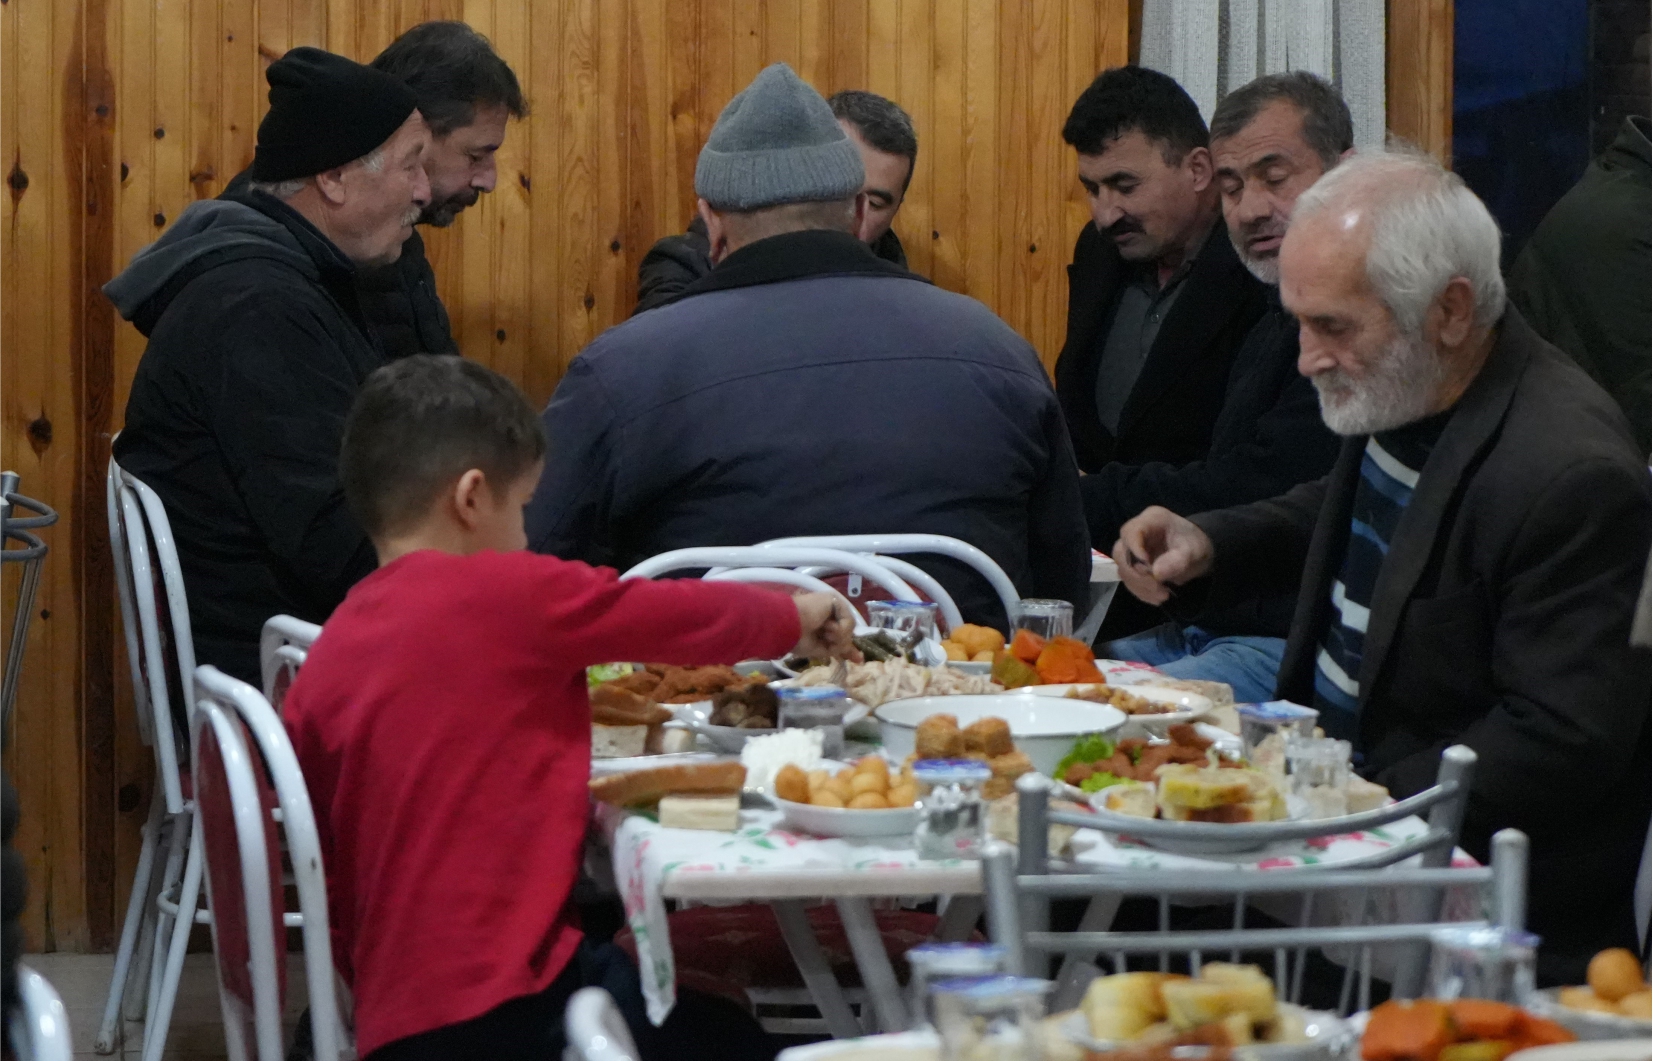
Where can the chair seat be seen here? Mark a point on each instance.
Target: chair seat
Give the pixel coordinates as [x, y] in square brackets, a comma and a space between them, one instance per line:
[725, 950]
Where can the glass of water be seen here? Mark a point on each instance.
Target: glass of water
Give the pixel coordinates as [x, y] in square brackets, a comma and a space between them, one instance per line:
[990, 1018]
[818, 707]
[1483, 961]
[908, 622]
[933, 962]
[1047, 618]
[952, 821]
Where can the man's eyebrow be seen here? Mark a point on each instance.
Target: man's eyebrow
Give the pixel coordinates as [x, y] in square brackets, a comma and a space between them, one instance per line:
[881, 192]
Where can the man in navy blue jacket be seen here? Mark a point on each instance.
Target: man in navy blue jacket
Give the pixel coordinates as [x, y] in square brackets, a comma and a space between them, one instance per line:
[805, 386]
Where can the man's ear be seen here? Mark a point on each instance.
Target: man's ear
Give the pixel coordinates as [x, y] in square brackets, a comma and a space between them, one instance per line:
[717, 234]
[1200, 167]
[331, 186]
[1454, 312]
[470, 498]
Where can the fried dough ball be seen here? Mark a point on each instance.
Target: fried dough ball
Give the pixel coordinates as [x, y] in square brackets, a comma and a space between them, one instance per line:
[955, 651]
[902, 795]
[938, 737]
[1011, 765]
[1637, 1005]
[823, 797]
[869, 782]
[792, 784]
[989, 735]
[982, 657]
[817, 778]
[872, 764]
[1582, 998]
[836, 787]
[869, 801]
[1615, 973]
[977, 639]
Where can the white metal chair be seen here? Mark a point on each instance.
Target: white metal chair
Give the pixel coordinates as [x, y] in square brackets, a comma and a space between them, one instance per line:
[889, 546]
[40, 1027]
[161, 652]
[1020, 884]
[282, 649]
[594, 1029]
[238, 785]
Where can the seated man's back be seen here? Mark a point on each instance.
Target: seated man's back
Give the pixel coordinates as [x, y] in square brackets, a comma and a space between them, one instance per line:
[809, 388]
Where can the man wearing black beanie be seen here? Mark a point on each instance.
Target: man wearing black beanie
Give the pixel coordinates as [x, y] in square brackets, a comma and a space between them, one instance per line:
[257, 346]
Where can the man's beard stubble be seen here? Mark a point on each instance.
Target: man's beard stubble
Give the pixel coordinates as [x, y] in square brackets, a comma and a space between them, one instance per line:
[442, 214]
[1400, 388]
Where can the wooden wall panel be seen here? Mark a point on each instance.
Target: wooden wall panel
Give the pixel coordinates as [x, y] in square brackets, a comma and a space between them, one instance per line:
[622, 94]
[1419, 79]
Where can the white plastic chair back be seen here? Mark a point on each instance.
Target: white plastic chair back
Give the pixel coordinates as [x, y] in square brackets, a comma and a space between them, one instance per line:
[162, 685]
[904, 544]
[239, 700]
[595, 1030]
[40, 1027]
[282, 649]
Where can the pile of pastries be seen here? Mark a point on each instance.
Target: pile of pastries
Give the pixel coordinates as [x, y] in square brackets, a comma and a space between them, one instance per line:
[867, 784]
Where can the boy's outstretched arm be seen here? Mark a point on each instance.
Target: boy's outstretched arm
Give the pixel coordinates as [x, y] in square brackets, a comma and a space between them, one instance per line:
[826, 626]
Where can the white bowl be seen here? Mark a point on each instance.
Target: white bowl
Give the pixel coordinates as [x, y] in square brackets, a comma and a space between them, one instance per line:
[1044, 727]
[1326, 1037]
[841, 821]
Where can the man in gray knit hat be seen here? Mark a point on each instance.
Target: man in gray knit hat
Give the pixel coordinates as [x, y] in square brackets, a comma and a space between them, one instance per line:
[805, 386]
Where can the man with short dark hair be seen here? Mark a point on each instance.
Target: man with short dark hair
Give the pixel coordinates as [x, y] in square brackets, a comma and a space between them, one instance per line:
[257, 346]
[467, 94]
[806, 386]
[1270, 140]
[880, 130]
[1158, 303]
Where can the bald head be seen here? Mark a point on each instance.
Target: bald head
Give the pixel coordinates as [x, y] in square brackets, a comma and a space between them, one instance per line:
[1391, 267]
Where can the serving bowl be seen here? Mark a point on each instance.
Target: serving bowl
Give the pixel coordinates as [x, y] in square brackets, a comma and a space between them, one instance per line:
[1585, 1024]
[1043, 727]
[842, 821]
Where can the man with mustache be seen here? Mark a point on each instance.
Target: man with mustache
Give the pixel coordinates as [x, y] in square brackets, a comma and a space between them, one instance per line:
[467, 95]
[1270, 140]
[1468, 571]
[1158, 302]
[258, 345]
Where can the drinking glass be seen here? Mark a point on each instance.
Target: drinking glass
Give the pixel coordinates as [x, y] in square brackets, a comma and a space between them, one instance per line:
[990, 1018]
[952, 822]
[1047, 618]
[818, 707]
[933, 962]
[1266, 729]
[1481, 961]
[908, 622]
[1319, 768]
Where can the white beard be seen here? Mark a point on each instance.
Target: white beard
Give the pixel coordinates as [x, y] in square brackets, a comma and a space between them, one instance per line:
[1400, 388]
[1265, 269]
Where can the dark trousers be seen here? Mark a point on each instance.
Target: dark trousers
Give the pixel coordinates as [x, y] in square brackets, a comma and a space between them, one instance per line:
[531, 1028]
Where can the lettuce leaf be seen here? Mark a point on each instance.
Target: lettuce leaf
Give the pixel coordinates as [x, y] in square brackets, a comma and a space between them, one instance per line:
[1098, 782]
[606, 672]
[1091, 749]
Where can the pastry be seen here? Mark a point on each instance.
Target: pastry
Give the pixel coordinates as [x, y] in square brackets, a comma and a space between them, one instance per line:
[644, 787]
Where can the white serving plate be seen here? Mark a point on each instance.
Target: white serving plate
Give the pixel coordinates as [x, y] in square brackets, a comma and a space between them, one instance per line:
[609, 767]
[841, 821]
[1043, 727]
[1187, 706]
[1329, 1037]
[1583, 1023]
[732, 739]
[1211, 838]
[1638, 1048]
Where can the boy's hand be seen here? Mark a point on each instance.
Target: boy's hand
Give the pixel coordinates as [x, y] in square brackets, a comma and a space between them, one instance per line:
[827, 625]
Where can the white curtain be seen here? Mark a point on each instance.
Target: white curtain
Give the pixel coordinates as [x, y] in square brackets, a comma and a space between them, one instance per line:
[1214, 46]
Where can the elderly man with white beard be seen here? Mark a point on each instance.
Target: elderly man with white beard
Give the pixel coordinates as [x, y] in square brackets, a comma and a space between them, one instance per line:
[1467, 572]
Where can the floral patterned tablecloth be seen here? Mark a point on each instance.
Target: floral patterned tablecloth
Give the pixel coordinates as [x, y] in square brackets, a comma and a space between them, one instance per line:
[764, 860]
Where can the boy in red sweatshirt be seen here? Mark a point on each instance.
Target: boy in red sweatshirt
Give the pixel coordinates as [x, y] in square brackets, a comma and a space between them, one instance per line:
[442, 723]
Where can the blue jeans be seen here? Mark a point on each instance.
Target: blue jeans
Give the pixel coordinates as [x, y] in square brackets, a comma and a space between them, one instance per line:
[1250, 664]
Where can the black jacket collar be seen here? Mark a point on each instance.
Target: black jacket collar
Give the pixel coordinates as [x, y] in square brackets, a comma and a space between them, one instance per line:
[331, 262]
[796, 256]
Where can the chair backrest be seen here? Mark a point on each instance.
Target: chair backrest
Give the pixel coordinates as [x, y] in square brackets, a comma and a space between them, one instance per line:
[276, 762]
[40, 1028]
[715, 558]
[1020, 884]
[161, 647]
[775, 576]
[282, 649]
[594, 1029]
[904, 544]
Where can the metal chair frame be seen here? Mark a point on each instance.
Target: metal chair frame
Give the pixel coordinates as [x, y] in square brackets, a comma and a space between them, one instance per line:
[32, 557]
[892, 545]
[282, 649]
[1021, 883]
[40, 1027]
[220, 699]
[594, 1029]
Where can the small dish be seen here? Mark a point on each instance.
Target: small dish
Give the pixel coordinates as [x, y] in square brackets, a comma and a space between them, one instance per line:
[1585, 1024]
[841, 821]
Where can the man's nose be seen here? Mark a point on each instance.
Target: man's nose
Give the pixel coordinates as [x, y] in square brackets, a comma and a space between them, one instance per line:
[1104, 211]
[1313, 355]
[487, 175]
[1254, 205]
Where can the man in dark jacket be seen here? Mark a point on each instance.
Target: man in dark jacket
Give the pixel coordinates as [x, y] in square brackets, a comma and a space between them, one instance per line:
[1270, 140]
[258, 344]
[1581, 281]
[1472, 559]
[805, 386]
[879, 129]
[467, 94]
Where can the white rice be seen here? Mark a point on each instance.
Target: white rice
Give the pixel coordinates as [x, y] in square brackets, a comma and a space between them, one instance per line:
[763, 757]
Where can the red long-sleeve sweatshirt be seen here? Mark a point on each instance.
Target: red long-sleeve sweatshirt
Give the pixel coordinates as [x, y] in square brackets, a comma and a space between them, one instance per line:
[442, 725]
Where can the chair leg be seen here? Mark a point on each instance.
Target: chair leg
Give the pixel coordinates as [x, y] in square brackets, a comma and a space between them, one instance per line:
[178, 829]
[189, 896]
[137, 907]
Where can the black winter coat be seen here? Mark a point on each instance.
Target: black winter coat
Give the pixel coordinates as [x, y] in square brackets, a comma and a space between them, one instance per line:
[1174, 405]
[1500, 620]
[257, 347]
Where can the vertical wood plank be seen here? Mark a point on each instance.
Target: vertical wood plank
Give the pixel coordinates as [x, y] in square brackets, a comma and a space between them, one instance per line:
[717, 63]
[849, 45]
[576, 190]
[687, 98]
[915, 222]
[941, 152]
[1419, 83]
[510, 219]
[746, 41]
[548, 202]
[206, 178]
[883, 50]
[981, 190]
[782, 34]
[615, 291]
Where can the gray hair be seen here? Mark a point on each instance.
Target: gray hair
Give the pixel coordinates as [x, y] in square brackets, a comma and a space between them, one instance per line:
[1426, 228]
[1327, 128]
[373, 162]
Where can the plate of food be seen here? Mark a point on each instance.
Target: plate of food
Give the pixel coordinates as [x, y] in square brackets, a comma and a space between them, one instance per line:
[878, 682]
[1466, 1029]
[1151, 707]
[866, 798]
[1615, 1004]
[1042, 728]
[701, 795]
[1228, 1008]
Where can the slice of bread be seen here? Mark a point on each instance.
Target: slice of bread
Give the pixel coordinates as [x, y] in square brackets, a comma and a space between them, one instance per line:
[617, 742]
[641, 788]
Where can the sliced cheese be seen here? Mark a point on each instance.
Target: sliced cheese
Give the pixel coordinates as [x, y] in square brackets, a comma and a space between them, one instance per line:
[713, 813]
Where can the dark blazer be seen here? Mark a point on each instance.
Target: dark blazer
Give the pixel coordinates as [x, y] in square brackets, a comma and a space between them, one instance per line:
[805, 386]
[1501, 620]
[1174, 404]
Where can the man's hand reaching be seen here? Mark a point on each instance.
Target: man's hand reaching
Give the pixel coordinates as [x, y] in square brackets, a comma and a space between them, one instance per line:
[1159, 549]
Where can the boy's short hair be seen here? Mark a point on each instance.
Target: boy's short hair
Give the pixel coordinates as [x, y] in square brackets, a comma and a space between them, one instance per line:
[420, 423]
[1128, 98]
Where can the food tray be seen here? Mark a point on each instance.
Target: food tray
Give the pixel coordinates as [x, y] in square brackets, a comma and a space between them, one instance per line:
[1328, 1037]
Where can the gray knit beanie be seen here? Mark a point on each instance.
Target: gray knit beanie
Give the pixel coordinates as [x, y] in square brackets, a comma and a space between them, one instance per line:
[777, 142]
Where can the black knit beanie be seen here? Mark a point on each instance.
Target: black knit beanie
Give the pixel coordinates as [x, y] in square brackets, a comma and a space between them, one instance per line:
[325, 111]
